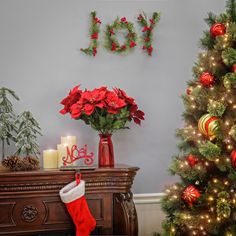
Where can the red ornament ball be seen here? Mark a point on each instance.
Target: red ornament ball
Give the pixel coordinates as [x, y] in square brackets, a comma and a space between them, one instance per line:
[190, 195]
[206, 79]
[192, 160]
[233, 159]
[234, 68]
[217, 29]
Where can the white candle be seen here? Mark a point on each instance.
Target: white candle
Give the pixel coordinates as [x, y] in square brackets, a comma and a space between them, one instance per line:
[69, 140]
[62, 152]
[50, 159]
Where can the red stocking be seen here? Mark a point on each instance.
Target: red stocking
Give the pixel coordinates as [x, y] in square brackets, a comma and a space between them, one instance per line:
[73, 197]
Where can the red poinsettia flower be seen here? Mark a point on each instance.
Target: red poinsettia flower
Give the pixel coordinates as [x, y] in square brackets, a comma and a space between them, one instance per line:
[123, 47]
[76, 110]
[122, 94]
[71, 99]
[97, 20]
[93, 99]
[135, 114]
[88, 109]
[132, 44]
[94, 35]
[114, 103]
[147, 39]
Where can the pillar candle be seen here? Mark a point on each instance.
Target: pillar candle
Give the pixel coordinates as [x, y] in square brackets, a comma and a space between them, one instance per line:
[50, 159]
[69, 140]
[62, 152]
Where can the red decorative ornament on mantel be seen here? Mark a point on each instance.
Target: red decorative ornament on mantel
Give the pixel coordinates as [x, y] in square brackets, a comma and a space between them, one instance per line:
[76, 153]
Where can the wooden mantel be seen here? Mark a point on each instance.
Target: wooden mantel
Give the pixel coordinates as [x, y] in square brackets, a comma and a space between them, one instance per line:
[30, 204]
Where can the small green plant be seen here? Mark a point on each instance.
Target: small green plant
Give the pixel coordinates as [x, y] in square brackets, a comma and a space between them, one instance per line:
[7, 117]
[27, 134]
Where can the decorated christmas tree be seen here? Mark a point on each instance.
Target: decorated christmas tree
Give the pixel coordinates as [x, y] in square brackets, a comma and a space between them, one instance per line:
[203, 202]
[7, 117]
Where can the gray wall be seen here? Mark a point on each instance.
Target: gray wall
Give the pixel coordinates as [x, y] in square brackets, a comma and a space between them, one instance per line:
[39, 59]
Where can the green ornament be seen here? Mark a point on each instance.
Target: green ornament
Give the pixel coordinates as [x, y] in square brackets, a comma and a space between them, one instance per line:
[227, 83]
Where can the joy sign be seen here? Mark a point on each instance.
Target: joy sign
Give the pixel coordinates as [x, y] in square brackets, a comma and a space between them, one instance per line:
[131, 38]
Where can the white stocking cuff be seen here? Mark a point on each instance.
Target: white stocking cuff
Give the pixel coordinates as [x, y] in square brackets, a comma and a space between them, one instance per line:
[72, 191]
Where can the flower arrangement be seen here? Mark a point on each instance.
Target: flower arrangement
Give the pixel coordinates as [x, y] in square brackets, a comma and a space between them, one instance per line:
[104, 110]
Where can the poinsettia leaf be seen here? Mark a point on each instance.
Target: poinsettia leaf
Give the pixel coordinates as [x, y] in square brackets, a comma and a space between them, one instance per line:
[119, 124]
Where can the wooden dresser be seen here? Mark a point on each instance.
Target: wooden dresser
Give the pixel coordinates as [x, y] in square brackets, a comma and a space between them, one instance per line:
[30, 203]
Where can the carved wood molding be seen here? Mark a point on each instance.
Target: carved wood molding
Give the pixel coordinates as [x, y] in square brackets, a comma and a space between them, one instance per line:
[119, 181]
[29, 213]
[125, 204]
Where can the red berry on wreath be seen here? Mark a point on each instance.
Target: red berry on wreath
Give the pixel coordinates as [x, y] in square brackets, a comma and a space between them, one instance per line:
[234, 68]
[207, 79]
[97, 20]
[94, 35]
[233, 159]
[140, 17]
[113, 46]
[146, 28]
[94, 51]
[150, 49]
[217, 29]
[152, 21]
[132, 44]
[190, 195]
[192, 160]
[123, 19]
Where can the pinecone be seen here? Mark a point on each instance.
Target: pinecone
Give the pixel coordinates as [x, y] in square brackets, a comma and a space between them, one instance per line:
[33, 162]
[10, 162]
[22, 165]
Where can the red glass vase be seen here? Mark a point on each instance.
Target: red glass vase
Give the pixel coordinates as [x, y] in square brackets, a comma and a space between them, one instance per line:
[105, 151]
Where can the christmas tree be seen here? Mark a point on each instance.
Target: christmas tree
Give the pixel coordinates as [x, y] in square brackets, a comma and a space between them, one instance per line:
[28, 131]
[7, 117]
[204, 201]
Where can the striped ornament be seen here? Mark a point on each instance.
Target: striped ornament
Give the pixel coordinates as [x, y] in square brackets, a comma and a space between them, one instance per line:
[208, 125]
